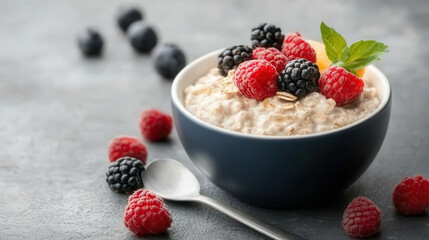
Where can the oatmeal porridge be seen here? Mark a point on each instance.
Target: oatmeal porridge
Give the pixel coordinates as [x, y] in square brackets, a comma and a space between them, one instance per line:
[216, 100]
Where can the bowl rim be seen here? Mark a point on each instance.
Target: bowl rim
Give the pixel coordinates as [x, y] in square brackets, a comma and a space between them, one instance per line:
[180, 106]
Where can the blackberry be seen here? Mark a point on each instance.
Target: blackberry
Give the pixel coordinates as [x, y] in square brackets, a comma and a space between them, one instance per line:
[90, 42]
[267, 35]
[124, 175]
[231, 57]
[299, 77]
[128, 14]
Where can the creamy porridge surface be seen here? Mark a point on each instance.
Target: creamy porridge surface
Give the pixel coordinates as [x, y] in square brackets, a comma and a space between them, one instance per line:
[216, 100]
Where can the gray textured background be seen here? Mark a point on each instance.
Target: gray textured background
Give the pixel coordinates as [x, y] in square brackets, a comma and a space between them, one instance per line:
[58, 111]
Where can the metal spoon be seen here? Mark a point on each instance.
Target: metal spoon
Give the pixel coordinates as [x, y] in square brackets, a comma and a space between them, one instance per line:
[171, 180]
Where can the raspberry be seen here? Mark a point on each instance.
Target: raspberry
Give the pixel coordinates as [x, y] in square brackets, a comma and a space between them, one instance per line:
[295, 47]
[124, 175]
[299, 77]
[340, 85]
[123, 146]
[361, 218]
[267, 35]
[155, 125]
[146, 214]
[411, 195]
[231, 57]
[256, 79]
[272, 55]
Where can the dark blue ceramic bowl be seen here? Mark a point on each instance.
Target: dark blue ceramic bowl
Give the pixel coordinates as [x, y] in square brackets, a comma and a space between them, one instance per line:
[279, 171]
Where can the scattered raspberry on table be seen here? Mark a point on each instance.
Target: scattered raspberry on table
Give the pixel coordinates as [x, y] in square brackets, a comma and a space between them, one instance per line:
[256, 79]
[362, 218]
[123, 146]
[155, 125]
[146, 214]
[411, 195]
[295, 47]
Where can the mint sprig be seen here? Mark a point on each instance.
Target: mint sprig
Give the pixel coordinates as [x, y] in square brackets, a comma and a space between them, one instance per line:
[360, 54]
[334, 42]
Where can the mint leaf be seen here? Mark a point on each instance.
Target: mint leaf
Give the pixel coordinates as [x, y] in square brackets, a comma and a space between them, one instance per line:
[334, 42]
[361, 63]
[363, 53]
[360, 54]
[345, 55]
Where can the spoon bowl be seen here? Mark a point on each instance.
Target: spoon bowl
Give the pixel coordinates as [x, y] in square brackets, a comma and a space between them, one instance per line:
[171, 180]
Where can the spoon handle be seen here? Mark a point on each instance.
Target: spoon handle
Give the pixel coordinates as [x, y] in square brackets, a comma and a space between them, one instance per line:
[246, 219]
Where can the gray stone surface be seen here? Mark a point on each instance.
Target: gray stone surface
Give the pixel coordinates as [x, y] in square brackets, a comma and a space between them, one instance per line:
[58, 111]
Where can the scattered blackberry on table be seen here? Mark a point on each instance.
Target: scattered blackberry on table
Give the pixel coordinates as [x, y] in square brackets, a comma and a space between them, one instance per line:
[267, 35]
[169, 60]
[299, 77]
[90, 42]
[124, 175]
[142, 37]
[231, 57]
[127, 14]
